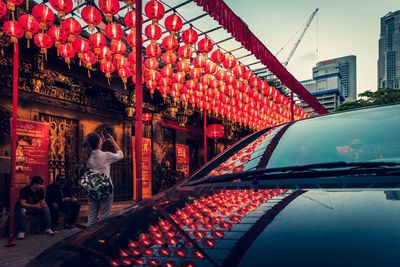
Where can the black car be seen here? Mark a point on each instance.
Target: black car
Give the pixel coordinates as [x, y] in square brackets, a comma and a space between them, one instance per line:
[317, 192]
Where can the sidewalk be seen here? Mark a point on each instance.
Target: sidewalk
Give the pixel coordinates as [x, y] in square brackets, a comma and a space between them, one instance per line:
[34, 244]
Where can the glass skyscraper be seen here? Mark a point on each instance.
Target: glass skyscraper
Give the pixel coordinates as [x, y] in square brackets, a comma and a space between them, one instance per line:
[389, 51]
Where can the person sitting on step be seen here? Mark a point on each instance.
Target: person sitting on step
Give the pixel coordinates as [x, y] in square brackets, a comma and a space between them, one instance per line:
[31, 202]
[60, 198]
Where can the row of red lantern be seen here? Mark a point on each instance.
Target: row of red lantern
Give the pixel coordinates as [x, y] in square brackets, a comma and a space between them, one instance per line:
[71, 28]
[206, 220]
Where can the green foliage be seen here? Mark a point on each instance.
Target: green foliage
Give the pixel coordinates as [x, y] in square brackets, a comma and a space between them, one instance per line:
[369, 98]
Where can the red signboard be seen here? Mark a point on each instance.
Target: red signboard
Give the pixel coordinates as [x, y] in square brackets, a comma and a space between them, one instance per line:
[32, 157]
[182, 159]
[146, 167]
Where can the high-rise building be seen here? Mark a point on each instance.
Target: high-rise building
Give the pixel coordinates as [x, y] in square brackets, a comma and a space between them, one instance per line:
[334, 81]
[389, 51]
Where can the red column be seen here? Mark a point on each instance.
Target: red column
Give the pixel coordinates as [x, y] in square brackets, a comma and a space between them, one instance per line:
[138, 88]
[205, 136]
[13, 198]
[291, 105]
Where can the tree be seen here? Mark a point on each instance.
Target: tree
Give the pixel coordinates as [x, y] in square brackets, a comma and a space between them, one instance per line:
[369, 98]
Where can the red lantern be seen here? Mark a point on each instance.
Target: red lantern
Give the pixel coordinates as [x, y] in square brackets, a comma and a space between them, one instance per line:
[173, 23]
[43, 15]
[105, 54]
[217, 56]
[153, 50]
[62, 6]
[121, 62]
[239, 70]
[129, 2]
[109, 7]
[124, 73]
[215, 131]
[88, 60]
[98, 41]
[81, 46]
[131, 39]
[178, 77]
[72, 28]
[190, 36]
[67, 52]
[11, 6]
[229, 62]
[154, 10]
[210, 68]
[153, 32]
[118, 48]
[195, 73]
[3, 9]
[91, 16]
[185, 52]
[167, 71]
[44, 42]
[169, 57]
[220, 75]
[205, 45]
[200, 61]
[13, 30]
[130, 20]
[170, 43]
[146, 117]
[183, 66]
[114, 31]
[151, 63]
[58, 36]
[30, 25]
[107, 68]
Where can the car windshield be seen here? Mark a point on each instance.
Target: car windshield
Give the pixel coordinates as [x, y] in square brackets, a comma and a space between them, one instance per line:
[368, 135]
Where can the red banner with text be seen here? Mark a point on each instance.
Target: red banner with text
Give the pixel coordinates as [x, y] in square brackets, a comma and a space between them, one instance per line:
[32, 157]
[146, 167]
[182, 159]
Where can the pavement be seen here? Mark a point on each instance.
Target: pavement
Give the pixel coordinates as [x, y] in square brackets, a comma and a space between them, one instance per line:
[34, 244]
[29, 248]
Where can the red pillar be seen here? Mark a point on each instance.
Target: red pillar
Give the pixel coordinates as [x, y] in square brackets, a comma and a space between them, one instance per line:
[291, 105]
[13, 198]
[138, 88]
[205, 136]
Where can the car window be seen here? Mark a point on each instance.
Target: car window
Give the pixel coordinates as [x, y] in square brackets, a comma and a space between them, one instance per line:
[368, 135]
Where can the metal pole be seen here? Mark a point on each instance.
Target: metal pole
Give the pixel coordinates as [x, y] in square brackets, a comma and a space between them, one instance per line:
[291, 106]
[205, 136]
[11, 241]
[138, 88]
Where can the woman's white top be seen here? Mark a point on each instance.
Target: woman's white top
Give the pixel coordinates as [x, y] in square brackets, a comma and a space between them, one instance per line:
[100, 161]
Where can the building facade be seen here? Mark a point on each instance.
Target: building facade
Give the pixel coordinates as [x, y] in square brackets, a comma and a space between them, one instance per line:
[389, 51]
[334, 82]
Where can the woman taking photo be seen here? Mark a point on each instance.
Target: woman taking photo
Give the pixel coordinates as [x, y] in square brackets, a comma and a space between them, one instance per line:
[99, 164]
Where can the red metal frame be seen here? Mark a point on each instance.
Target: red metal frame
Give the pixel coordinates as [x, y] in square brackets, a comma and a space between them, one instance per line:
[205, 136]
[13, 198]
[139, 101]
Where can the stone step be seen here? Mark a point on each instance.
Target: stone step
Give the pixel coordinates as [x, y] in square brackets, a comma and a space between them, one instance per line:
[33, 224]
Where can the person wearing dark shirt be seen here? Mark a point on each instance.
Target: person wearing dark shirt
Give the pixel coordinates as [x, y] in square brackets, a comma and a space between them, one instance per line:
[60, 198]
[31, 202]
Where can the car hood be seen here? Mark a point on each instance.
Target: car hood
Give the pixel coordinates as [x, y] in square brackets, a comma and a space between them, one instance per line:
[292, 228]
[331, 228]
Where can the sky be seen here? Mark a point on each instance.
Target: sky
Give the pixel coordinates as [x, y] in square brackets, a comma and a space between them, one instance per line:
[345, 27]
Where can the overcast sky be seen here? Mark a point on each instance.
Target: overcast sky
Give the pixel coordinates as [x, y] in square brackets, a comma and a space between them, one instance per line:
[345, 27]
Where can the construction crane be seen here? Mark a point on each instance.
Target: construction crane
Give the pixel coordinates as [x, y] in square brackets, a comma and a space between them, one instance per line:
[310, 19]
